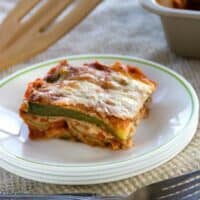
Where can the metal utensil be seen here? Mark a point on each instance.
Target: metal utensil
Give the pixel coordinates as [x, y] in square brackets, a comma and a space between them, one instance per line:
[185, 187]
[11, 124]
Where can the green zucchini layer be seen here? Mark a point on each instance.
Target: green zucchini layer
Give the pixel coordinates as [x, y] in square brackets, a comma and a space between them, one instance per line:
[56, 111]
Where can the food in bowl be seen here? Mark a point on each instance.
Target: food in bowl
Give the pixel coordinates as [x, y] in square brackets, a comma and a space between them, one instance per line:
[93, 103]
[181, 4]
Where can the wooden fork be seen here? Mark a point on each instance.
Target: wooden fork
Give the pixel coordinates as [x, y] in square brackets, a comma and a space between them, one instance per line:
[20, 40]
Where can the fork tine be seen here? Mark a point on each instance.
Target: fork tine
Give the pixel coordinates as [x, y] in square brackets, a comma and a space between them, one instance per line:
[81, 10]
[184, 194]
[33, 41]
[39, 19]
[170, 189]
[21, 9]
[195, 196]
[176, 180]
[187, 192]
[54, 9]
[179, 187]
[42, 17]
[10, 24]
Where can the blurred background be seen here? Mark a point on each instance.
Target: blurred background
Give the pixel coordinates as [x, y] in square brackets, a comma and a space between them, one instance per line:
[114, 27]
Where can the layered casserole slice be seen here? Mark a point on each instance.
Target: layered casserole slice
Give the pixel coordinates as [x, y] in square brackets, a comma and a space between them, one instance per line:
[92, 103]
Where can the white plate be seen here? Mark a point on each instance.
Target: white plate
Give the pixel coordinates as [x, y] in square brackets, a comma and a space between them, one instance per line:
[106, 176]
[173, 110]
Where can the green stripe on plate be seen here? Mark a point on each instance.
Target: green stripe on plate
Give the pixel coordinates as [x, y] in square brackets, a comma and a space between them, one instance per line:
[106, 57]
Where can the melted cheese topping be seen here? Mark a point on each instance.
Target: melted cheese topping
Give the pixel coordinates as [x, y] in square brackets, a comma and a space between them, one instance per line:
[112, 94]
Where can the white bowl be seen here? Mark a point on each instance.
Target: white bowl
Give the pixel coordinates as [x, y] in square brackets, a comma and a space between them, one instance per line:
[181, 27]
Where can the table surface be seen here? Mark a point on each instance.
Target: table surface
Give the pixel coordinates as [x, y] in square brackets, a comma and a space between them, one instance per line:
[115, 27]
